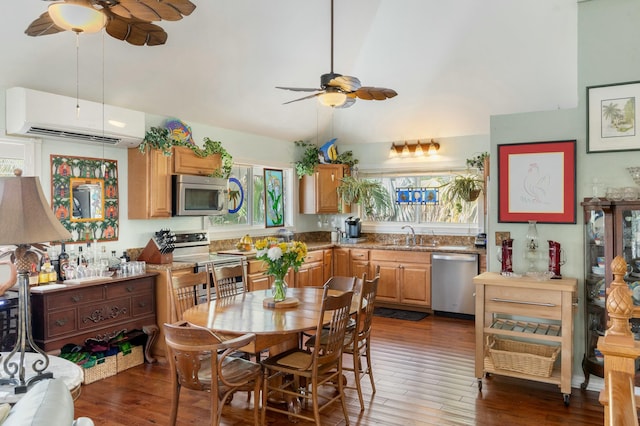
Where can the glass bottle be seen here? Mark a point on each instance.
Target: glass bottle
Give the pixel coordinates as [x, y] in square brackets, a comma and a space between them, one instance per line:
[63, 261]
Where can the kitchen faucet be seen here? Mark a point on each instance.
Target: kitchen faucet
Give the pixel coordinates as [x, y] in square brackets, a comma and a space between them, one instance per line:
[413, 235]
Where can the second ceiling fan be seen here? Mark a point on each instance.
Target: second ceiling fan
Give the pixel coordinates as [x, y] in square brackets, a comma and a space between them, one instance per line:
[340, 91]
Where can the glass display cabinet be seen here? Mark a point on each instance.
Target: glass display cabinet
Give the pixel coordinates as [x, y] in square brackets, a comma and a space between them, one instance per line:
[612, 228]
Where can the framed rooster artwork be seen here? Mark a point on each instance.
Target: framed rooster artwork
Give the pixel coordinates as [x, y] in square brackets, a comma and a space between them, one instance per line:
[537, 181]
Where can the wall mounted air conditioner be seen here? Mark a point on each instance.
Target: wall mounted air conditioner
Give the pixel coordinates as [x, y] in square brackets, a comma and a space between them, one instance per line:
[45, 115]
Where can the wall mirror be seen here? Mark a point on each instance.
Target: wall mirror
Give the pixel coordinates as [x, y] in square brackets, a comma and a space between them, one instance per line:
[84, 197]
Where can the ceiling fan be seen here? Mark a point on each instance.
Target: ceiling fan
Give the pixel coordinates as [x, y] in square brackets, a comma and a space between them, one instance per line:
[340, 91]
[128, 20]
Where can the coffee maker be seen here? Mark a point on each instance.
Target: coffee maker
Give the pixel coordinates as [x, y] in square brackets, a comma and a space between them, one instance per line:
[352, 227]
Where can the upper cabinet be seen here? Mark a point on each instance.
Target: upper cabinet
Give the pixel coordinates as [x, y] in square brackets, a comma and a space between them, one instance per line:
[318, 192]
[186, 162]
[149, 184]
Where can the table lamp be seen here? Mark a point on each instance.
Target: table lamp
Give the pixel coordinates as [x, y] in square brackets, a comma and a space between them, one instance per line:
[26, 218]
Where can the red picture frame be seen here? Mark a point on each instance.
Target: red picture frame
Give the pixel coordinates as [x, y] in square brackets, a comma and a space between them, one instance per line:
[537, 181]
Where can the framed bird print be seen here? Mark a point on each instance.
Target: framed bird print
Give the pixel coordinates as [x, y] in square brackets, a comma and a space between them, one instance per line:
[537, 181]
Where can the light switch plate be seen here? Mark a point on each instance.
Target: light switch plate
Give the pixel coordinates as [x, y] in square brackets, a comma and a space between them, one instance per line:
[500, 236]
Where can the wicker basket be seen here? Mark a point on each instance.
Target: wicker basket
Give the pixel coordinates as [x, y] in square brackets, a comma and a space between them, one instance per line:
[104, 367]
[522, 357]
[130, 358]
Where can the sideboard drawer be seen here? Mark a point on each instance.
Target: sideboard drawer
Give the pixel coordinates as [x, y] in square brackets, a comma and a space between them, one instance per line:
[100, 315]
[142, 305]
[128, 288]
[61, 322]
[76, 297]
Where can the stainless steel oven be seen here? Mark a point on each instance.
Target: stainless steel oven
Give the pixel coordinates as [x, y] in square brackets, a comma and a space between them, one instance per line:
[193, 247]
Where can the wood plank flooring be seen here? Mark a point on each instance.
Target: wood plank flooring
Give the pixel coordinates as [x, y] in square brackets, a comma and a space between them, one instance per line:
[424, 373]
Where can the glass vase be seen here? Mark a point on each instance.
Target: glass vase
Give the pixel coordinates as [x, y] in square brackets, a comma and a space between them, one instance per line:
[279, 289]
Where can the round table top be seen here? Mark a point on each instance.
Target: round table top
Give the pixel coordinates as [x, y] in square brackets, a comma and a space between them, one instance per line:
[245, 312]
[61, 368]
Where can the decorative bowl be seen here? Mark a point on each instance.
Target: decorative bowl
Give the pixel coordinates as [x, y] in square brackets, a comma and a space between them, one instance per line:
[540, 275]
[598, 270]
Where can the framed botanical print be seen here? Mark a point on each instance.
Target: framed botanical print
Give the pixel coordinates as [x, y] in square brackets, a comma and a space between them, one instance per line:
[612, 114]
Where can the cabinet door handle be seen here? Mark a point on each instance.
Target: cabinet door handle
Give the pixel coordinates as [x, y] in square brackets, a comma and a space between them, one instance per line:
[77, 298]
[61, 322]
[523, 302]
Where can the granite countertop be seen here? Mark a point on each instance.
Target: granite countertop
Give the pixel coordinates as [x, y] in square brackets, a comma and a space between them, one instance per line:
[373, 246]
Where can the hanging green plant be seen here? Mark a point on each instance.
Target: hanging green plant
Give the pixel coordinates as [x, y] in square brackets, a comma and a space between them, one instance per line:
[311, 158]
[160, 138]
[370, 194]
[477, 162]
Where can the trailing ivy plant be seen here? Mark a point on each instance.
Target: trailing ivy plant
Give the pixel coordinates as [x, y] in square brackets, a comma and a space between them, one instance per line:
[311, 158]
[160, 138]
[477, 162]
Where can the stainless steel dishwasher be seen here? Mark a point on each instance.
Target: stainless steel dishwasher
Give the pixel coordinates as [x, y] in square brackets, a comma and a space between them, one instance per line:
[452, 288]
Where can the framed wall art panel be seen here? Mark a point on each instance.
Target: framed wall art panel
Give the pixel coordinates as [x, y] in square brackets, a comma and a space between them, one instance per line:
[273, 193]
[536, 181]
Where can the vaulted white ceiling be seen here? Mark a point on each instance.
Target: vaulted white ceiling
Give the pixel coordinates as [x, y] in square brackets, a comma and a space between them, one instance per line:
[453, 63]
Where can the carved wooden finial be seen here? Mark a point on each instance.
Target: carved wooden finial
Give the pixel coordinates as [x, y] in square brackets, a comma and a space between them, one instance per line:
[619, 304]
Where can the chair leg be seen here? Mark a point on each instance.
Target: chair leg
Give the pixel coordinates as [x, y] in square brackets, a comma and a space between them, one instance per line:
[342, 401]
[175, 397]
[369, 367]
[256, 401]
[265, 395]
[314, 401]
[357, 375]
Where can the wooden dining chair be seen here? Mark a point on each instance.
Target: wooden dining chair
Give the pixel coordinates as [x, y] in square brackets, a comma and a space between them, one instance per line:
[189, 290]
[225, 279]
[341, 283]
[298, 373]
[220, 375]
[358, 344]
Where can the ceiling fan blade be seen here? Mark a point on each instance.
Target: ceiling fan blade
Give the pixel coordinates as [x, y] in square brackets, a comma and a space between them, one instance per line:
[350, 101]
[152, 10]
[345, 83]
[374, 93]
[134, 31]
[299, 89]
[302, 99]
[42, 26]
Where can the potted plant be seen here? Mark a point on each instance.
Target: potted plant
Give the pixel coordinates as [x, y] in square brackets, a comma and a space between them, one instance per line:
[465, 187]
[478, 161]
[311, 158]
[370, 194]
[160, 138]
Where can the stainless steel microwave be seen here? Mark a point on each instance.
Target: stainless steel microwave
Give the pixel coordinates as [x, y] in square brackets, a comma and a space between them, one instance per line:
[199, 195]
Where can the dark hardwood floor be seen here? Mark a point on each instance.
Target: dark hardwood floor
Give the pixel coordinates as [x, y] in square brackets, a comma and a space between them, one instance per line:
[424, 374]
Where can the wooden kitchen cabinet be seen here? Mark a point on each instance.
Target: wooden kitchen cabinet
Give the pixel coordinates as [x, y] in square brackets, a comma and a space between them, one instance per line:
[405, 277]
[311, 272]
[544, 316]
[327, 271]
[149, 184]
[186, 162]
[99, 309]
[318, 192]
[341, 262]
[358, 263]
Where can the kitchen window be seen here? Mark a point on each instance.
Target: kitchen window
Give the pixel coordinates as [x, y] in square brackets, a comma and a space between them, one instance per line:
[445, 214]
[246, 199]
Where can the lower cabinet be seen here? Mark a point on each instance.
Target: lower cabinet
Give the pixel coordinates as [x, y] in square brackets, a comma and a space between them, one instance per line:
[99, 309]
[311, 273]
[405, 276]
[359, 262]
[341, 262]
[258, 280]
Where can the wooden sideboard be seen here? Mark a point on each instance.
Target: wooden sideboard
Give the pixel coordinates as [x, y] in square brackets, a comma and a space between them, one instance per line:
[99, 309]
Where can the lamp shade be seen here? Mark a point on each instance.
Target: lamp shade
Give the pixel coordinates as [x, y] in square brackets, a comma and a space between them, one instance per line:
[25, 213]
[77, 17]
[332, 99]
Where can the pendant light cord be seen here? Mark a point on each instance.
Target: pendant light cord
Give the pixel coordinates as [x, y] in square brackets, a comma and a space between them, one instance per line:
[77, 74]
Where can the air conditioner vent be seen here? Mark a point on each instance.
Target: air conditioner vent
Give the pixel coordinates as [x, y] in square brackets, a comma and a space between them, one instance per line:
[33, 113]
[72, 135]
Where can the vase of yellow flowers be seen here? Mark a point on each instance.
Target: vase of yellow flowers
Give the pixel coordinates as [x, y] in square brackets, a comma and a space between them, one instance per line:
[279, 257]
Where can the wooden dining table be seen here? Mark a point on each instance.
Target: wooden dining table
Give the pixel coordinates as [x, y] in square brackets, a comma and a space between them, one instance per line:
[276, 329]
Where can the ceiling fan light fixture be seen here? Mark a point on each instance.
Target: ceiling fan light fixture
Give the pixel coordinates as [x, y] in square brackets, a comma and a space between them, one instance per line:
[332, 99]
[77, 17]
